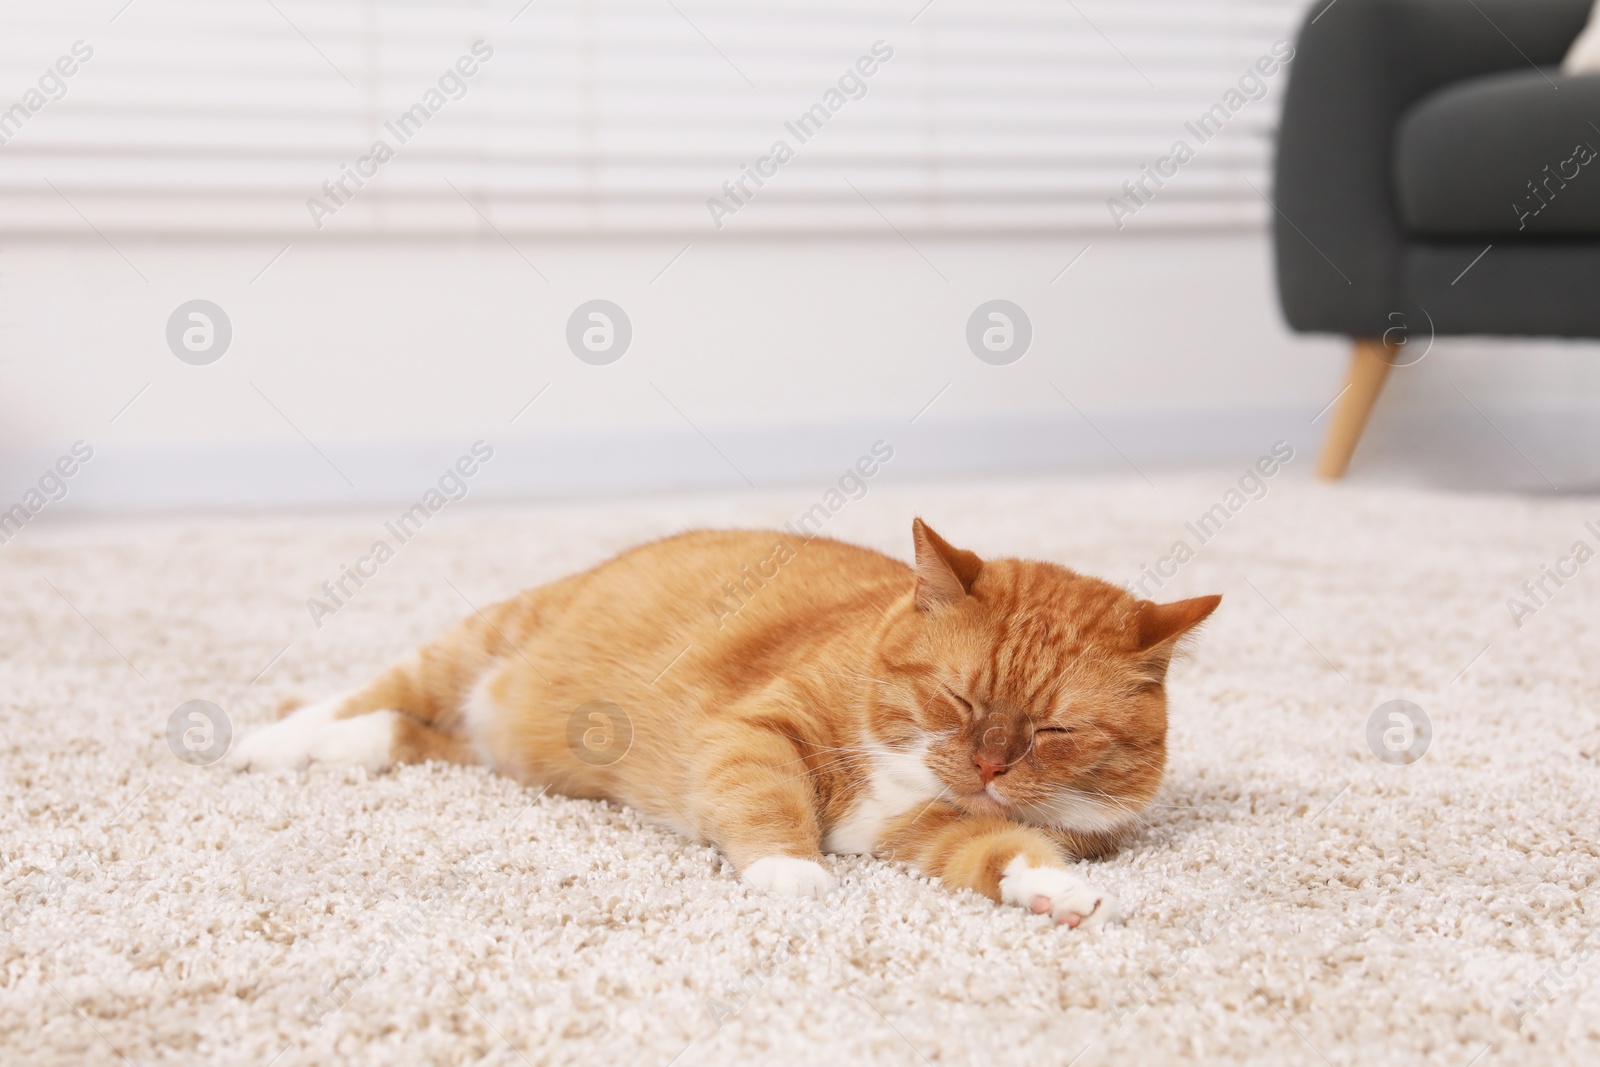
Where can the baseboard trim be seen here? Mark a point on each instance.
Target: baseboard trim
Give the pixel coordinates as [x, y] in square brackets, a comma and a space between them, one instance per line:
[1447, 448]
[289, 473]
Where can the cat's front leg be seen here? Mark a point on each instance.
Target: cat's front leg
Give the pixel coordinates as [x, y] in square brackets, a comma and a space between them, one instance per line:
[752, 798]
[1056, 891]
[1003, 860]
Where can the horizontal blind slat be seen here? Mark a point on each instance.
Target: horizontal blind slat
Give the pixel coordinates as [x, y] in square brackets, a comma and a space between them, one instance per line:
[603, 117]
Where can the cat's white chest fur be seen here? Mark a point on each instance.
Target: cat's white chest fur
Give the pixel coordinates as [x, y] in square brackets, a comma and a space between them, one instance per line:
[899, 781]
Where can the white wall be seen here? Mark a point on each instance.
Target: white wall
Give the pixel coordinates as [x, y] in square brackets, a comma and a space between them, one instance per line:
[791, 357]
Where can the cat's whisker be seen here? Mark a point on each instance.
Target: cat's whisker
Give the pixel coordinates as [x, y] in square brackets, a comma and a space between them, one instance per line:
[819, 748]
[1065, 808]
[852, 674]
[1147, 749]
[1106, 798]
[846, 758]
[821, 766]
[859, 782]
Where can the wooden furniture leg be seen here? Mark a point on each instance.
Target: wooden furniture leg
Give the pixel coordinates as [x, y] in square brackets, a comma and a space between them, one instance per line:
[1369, 368]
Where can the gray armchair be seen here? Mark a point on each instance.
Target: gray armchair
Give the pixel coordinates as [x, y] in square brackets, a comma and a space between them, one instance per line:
[1416, 135]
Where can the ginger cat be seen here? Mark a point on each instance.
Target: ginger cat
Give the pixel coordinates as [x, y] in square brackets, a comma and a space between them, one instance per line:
[986, 722]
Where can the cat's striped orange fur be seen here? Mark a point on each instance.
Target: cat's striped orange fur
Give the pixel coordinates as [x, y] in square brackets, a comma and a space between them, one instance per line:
[985, 722]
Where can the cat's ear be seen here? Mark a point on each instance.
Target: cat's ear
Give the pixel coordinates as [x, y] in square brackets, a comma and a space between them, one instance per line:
[1160, 623]
[944, 573]
[1161, 626]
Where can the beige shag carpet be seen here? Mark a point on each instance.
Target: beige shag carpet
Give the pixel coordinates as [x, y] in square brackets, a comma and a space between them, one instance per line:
[1293, 900]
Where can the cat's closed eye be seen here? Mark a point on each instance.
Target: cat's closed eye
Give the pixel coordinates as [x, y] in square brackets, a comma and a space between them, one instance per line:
[1052, 730]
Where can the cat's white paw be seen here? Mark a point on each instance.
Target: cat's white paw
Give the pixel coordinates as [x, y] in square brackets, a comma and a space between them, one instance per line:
[363, 741]
[284, 745]
[1066, 897]
[790, 877]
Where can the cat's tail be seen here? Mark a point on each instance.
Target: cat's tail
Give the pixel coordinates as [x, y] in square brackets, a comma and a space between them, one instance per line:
[289, 705]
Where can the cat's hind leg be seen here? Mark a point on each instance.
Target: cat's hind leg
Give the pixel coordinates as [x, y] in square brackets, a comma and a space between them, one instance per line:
[285, 744]
[379, 739]
[408, 714]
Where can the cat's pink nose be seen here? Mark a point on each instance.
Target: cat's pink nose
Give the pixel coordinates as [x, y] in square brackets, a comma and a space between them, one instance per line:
[988, 770]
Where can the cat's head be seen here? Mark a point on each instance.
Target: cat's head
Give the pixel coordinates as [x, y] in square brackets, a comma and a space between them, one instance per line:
[1032, 691]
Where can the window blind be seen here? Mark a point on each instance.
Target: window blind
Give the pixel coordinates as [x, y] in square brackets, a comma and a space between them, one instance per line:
[594, 117]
